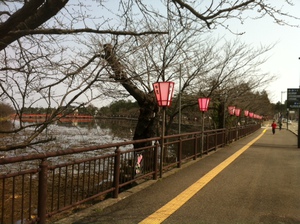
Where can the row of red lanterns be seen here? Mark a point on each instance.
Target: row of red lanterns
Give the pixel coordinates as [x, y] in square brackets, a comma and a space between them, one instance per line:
[164, 93]
[237, 112]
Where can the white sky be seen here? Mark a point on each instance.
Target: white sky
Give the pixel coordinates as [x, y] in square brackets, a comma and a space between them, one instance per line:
[284, 57]
[284, 60]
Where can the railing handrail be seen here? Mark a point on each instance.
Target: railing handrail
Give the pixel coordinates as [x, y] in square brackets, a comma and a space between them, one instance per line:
[71, 151]
[91, 148]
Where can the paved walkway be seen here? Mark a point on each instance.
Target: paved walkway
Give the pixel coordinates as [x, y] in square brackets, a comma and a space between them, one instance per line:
[253, 180]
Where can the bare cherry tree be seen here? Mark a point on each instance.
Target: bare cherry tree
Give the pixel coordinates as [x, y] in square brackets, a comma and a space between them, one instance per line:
[48, 57]
[212, 68]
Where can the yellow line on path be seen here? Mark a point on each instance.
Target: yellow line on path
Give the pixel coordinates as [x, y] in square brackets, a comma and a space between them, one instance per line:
[168, 209]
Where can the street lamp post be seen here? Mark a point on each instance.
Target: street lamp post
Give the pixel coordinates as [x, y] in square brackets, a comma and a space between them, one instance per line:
[299, 122]
[281, 112]
[203, 106]
[237, 112]
[287, 118]
[163, 92]
[229, 132]
[246, 113]
[231, 110]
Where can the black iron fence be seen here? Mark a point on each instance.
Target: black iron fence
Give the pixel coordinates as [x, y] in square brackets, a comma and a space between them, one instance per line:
[35, 188]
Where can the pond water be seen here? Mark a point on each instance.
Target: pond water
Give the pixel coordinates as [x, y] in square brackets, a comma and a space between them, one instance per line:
[80, 134]
[101, 131]
[75, 134]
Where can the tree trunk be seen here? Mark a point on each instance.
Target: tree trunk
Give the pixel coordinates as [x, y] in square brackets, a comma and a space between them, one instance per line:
[221, 114]
[147, 121]
[148, 106]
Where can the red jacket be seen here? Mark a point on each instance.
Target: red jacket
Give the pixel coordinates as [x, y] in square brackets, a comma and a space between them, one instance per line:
[273, 125]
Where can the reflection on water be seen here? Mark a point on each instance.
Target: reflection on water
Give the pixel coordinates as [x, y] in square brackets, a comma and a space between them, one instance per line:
[5, 125]
[117, 129]
[74, 134]
[100, 131]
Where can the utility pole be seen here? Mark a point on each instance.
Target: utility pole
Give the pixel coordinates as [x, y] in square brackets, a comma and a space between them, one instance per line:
[299, 121]
[179, 114]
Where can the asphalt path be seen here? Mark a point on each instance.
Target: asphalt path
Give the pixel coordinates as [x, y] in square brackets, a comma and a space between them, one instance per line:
[260, 185]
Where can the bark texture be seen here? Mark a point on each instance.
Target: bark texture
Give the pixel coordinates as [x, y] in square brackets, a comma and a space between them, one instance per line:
[147, 119]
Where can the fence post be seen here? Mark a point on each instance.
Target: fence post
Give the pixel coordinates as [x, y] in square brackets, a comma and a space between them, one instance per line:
[155, 161]
[42, 192]
[179, 153]
[216, 140]
[206, 138]
[225, 136]
[117, 172]
[196, 147]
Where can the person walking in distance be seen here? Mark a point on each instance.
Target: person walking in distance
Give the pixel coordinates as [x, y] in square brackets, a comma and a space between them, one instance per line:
[273, 127]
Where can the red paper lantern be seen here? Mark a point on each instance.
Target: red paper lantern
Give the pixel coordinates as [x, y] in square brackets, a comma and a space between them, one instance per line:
[164, 92]
[237, 112]
[231, 110]
[203, 104]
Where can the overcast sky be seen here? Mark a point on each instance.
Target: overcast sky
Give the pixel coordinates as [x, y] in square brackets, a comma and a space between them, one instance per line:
[284, 57]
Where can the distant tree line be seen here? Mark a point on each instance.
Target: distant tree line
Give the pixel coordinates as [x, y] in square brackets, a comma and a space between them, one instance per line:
[121, 108]
[82, 110]
[5, 111]
[127, 108]
[124, 108]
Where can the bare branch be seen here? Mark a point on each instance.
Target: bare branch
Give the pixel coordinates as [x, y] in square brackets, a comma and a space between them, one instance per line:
[85, 30]
[24, 145]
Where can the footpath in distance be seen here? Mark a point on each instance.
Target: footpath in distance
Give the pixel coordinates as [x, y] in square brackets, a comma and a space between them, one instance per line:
[261, 185]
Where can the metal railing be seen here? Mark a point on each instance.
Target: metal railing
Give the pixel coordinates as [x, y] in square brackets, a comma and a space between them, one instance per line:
[34, 188]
